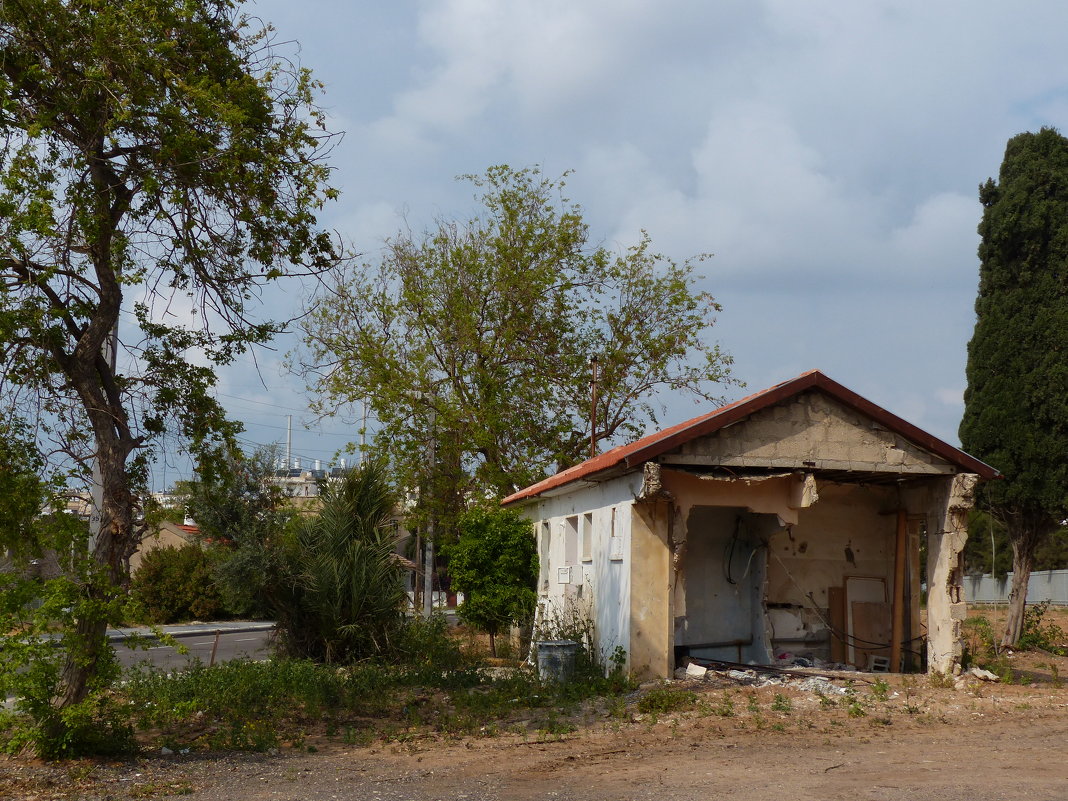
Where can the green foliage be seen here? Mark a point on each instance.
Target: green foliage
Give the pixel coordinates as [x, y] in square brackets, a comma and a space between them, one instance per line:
[725, 707]
[1051, 554]
[244, 705]
[236, 507]
[593, 666]
[175, 585]
[479, 334]
[495, 565]
[854, 703]
[781, 703]
[22, 491]
[41, 638]
[980, 642]
[42, 597]
[1040, 633]
[339, 594]
[425, 648]
[1016, 402]
[154, 153]
[664, 698]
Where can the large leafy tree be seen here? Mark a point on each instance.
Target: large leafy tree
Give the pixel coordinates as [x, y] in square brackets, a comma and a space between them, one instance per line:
[476, 338]
[1016, 403]
[158, 163]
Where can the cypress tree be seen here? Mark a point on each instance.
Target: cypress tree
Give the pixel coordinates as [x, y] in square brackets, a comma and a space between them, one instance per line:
[1016, 403]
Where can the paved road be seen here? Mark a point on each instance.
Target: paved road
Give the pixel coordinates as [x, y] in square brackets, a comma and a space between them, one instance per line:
[234, 641]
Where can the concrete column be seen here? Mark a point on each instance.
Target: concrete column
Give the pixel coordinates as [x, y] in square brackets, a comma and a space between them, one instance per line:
[946, 535]
[651, 622]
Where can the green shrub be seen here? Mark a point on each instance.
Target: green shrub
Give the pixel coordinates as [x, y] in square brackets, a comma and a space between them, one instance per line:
[426, 651]
[980, 642]
[495, 565]
[1039, 633]
[339, 593]
[177, 584]
[41, 634]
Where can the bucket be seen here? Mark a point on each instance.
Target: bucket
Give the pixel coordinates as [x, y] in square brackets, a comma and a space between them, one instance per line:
[556, 660]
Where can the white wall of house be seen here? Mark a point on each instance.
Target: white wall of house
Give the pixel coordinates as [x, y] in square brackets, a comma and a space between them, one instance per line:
[584, 554]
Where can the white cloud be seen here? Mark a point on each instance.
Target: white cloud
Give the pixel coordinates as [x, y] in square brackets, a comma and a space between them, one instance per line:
[827, 153]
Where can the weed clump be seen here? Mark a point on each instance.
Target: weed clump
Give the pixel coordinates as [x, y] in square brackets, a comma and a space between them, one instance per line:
[1040, 634]
[665, 698]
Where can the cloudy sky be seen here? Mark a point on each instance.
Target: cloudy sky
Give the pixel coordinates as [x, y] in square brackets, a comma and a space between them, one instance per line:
[827, 153]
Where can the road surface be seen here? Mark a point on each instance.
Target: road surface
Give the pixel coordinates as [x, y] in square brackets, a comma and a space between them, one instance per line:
[234, 642]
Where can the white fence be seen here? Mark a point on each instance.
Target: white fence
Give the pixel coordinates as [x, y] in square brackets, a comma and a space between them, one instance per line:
[1045, 585]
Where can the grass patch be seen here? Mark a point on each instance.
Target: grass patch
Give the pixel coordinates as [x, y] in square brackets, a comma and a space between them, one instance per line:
[258, 706]
[664, 698]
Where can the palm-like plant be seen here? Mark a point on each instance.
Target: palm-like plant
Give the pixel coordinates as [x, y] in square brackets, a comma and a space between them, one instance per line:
[342, 591]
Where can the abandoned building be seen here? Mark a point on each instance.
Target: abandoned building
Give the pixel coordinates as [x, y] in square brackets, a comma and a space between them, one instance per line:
[787, 524]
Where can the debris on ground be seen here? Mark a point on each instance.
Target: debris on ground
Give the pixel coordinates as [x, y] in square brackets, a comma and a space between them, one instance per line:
[725, 674]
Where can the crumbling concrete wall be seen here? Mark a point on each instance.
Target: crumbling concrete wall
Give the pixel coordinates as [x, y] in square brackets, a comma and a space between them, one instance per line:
[711, 515]
[848, 533]
[950, 502]
[815, 431]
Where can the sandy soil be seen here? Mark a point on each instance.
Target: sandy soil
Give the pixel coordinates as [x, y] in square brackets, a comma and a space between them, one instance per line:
[979, 742]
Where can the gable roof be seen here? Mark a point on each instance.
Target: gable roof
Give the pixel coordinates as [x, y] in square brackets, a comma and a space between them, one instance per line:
[649, 447]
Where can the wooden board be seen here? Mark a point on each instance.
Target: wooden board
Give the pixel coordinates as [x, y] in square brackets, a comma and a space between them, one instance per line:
[862, 589]
[871, 624]
[917, 529]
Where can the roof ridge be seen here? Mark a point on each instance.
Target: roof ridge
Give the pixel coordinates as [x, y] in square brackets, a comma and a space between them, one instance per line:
[648, 447]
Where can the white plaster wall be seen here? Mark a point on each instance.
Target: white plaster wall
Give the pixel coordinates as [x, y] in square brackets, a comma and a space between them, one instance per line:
[722, 541]
[606, 581]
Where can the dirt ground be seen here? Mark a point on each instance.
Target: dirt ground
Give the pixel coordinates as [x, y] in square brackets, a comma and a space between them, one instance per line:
[858, 740]
[980, 742]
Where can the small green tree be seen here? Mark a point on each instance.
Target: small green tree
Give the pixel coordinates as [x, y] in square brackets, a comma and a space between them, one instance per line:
[241, 514]
[339, 594]
[495, 565]
[1016, 402]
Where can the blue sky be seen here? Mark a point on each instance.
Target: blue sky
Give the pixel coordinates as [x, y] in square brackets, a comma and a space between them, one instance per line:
[828, 154]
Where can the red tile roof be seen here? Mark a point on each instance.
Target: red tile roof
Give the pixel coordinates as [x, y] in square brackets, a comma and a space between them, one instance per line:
[653, 445]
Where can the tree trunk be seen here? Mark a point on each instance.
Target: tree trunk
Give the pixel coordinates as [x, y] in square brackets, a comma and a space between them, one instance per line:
[493, 644]
[86, 646]
[117, 537]
[1021, 575]
[1026, 533]
[107, 574]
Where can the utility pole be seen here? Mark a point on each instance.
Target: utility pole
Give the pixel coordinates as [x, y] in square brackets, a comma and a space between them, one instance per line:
[594, 364]
[363, 433]
[428, 573]
[289, 442]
